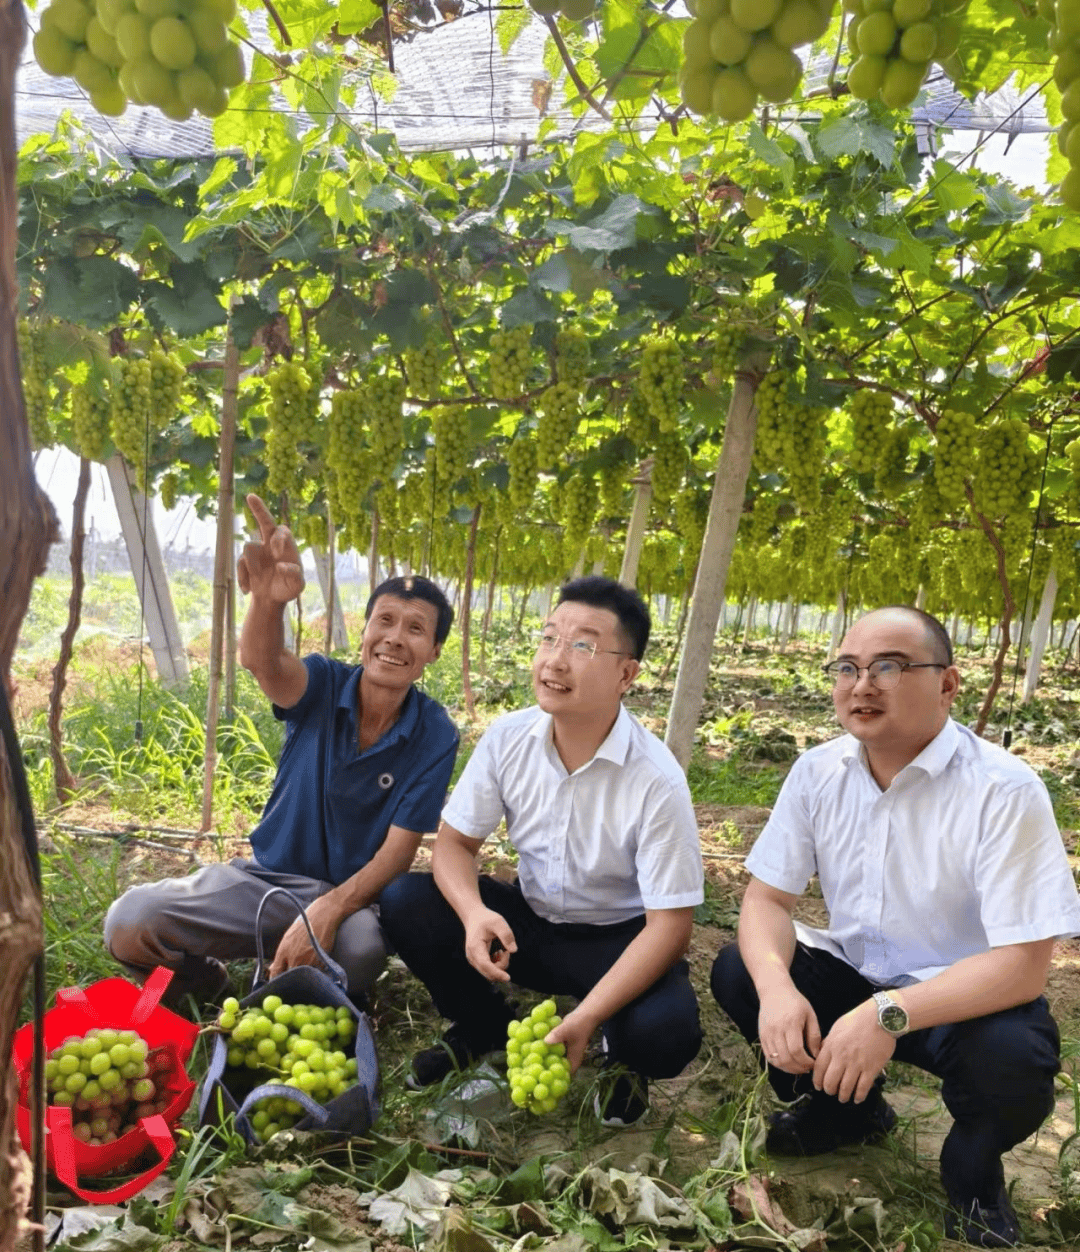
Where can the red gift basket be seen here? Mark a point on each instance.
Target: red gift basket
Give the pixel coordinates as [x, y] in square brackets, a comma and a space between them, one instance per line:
[120, 1005]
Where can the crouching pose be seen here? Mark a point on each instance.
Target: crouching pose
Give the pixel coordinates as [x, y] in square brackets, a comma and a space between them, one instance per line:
[363, 774]
[946, 882]
[609, 868]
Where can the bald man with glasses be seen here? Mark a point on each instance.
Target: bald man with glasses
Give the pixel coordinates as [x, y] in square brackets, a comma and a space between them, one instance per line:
[946, 882]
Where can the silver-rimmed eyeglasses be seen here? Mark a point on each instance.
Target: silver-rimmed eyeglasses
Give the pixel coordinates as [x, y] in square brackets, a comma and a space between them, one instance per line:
[580, 649]
[884, 674]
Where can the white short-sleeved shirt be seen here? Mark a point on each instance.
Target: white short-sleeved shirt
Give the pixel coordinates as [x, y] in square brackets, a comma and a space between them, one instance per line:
[959, 855]
[601, 845]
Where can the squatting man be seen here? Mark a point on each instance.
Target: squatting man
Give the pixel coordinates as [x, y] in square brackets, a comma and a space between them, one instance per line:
[946, 883]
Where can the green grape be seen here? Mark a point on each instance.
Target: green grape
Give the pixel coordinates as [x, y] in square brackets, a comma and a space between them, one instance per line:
[691, 509]
[872, 415]
[290, 417]
[1006, 469]
[166, 387]
[384, 398]
[613, 479]
[167, 489]
[35, 381]
[509, 362]
[954, 454]
[790, 437]
[347, 459]
[450, 427]
[131, 414]
[660, 379]
[669, 465]
[726, 345]
[560, 413]
[889, 473]
[572, 357]
[538, 1072]
[580, 500]
[316, 533]
[640, 425]
[521, 462]
[1072, 453]
[90, 416]
[423, 366]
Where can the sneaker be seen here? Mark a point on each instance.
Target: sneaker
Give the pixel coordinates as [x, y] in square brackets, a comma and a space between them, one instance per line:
[805, 1131]
[625, 1099]
[982, 1225]
[432, 1065]
[202, 978]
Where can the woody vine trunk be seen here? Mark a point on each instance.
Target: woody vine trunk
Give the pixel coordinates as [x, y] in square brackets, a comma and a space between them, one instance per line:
[27, 527]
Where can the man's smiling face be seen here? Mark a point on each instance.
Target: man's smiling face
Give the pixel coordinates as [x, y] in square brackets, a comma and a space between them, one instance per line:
[569, 683]
[399, 640]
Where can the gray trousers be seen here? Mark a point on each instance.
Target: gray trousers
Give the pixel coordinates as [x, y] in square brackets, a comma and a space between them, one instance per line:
[211, 913]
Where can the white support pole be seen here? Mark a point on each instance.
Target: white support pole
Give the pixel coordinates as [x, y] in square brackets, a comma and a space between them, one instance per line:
[635, 530]
[148, 570]
[838, 624]
[1039, 635]
[322, 568]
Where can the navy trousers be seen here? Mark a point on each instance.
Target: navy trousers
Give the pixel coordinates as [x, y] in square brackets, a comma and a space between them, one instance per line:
[657, 1035]
[997, 1072]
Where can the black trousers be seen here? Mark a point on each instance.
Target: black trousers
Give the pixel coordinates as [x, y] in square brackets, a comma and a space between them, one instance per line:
[997, 1072]
[657, 1035]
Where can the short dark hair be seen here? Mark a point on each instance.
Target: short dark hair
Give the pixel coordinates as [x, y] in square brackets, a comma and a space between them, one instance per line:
[416, 587]
[940, 643]
[624, 602]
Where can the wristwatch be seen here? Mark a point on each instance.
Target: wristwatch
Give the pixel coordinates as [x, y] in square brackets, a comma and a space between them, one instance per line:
[892, 1017]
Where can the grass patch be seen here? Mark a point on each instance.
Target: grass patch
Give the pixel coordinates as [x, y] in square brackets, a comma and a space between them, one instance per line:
[731, 782]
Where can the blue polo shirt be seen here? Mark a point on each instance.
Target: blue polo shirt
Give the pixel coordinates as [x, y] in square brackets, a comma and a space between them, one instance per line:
[332, 805]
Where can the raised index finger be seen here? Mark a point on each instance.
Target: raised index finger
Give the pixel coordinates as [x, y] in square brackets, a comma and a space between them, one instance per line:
[262, 516]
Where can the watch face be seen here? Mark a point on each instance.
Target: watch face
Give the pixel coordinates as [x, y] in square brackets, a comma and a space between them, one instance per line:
[893, 1018]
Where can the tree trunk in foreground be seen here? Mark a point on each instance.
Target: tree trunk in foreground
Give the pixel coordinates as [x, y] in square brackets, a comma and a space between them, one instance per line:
[62, 779]
[725, 509]
[223, 557]
[27, 527]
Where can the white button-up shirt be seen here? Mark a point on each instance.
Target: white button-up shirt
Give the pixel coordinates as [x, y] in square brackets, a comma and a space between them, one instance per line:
[959, 855]
[600, 845]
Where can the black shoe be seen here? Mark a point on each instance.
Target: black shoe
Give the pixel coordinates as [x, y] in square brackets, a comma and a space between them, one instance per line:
[621, 1099]
[982, 1225]
[202, 978]
[453, 1051]
[806, 1131]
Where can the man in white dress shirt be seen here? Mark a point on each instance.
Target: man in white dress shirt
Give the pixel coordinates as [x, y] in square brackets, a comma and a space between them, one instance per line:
[609, 868]
[946, 882]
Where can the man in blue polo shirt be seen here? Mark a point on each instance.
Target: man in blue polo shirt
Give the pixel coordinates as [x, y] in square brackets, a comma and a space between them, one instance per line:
[363, 774]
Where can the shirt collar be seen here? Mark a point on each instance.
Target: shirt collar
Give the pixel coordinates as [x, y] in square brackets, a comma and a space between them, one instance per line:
[407, 719]
[932, 760]
[616, 745]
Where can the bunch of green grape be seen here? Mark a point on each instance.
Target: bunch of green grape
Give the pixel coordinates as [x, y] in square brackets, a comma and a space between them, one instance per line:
[346, 454]
[574, 10]
[35, 381]
[895, 43]
[167, 375]
[296, 1045]
[572, 357]
[560, 413]
[1064, 17]
[579, 502]
[539, 1073]
[613, 476]
[1006, 468]
[437, 494]
[804, 455]
[763, 519]
[640, 423]
[315, 531]
[772, 404]
[669, 465]
[726, 345]
[660, 379]
[954, 454]
[290, 415]
[173, 54]
[871, 415]
[107, 1078]
[509, 362]
[521, 463]
[131, 412]
[167, 489]
[890, 472]
[423, 366]
[450, 427]
[384, 399]
[1072, 453]
[90, 417]
[736, 51]
[691, 509]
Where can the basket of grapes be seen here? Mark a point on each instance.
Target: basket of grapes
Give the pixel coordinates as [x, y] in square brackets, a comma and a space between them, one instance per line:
[115, 1082]
[294, 1053]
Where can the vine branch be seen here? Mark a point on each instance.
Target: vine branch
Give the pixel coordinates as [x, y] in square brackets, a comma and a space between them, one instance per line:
[572, 69]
